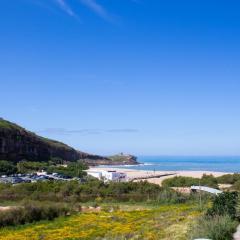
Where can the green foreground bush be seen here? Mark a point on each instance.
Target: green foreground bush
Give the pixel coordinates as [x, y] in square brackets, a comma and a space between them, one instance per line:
[31, 212]
[224, 204]
[220, 221]
[214, 228]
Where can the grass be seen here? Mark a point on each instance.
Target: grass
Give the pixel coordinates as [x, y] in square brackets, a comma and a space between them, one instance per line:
[215, 228]
[118, 158]
[8, 125]
[165, 222]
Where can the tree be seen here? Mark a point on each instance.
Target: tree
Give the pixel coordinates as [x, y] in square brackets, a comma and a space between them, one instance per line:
[7, 168]
[71, 170]
[29, 167]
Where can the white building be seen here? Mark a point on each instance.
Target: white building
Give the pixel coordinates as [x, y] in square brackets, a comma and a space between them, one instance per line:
[95, 174]
[108, 175]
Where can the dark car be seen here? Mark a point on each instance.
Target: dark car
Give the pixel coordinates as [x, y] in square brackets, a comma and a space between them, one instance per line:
[15, 180]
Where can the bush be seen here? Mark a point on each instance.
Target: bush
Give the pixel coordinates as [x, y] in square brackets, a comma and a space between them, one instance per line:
[206, 180]
[229, 178]
[209, 181]
[238, 208]
[214, 228]
[236, 186]
[29, 167]
[7, 168]
[71, 170]
[31, 212]
[224, 203]
[180, 182]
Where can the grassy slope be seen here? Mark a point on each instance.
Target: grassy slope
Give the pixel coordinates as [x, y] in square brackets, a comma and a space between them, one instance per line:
[165, 222]
[14, 127]
[8, 125]
[119, 158]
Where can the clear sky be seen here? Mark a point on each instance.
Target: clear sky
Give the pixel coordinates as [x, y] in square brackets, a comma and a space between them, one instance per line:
[146, 77]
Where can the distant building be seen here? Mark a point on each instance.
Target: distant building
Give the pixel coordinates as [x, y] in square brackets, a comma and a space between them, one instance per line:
[109, 176]
[95, 174]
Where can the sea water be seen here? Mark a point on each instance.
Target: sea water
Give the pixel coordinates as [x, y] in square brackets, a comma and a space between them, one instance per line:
[188, 163]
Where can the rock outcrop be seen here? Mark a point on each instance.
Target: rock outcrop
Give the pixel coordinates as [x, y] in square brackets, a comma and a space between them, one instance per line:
[120, 159]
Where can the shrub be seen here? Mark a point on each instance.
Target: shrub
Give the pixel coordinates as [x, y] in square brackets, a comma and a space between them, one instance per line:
[71, 170]
[214, 228]
[236, 186]
[31, 212]
[238, 208]
[7, 168]
[224, 203]
[209, 180]
[229, 178]
[29, 167]
[179, 181]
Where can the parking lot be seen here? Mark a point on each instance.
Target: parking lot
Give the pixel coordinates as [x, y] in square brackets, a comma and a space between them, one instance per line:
[30, 178]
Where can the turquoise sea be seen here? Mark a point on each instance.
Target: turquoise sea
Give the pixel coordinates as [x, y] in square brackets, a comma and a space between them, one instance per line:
[174, 163]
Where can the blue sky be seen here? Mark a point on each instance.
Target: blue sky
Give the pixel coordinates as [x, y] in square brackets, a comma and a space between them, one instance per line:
[105, 76]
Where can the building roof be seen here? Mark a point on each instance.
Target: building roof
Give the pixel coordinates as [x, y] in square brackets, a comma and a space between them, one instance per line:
[206, 189]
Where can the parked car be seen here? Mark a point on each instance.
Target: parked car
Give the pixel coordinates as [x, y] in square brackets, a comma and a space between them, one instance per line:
[15, 180]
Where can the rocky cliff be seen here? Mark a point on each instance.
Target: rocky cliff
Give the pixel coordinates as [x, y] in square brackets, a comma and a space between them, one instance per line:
[16, 143]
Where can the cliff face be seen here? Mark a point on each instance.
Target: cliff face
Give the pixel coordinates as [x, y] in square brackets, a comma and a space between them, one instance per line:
[16, 144]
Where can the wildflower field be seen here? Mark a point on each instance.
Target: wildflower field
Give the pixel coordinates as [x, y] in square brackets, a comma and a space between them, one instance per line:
[164, 222]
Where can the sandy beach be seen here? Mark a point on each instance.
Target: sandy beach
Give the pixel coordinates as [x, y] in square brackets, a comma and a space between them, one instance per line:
[132, 173]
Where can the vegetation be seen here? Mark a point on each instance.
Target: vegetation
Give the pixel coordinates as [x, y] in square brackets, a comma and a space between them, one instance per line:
[90, 191]
[165, 222]
[122, 158]
[20, 143]
[224, 204]
[236, 186]
[214, 228]
[30, 167]
[7, 168]
[206, 180]
[71, 170]
[8, 125]
[174, 216]
[54, 143]
[23, 167]
[228, 178]
[220, 221]
[31, 212]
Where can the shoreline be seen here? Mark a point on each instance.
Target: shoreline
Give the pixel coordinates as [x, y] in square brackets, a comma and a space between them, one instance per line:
[133, 173]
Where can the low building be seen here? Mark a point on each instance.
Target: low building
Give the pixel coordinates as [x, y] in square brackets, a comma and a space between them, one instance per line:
[109, 176]
[95, 174]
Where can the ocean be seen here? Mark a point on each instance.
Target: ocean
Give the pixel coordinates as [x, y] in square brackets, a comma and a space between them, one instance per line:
[174, 163]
